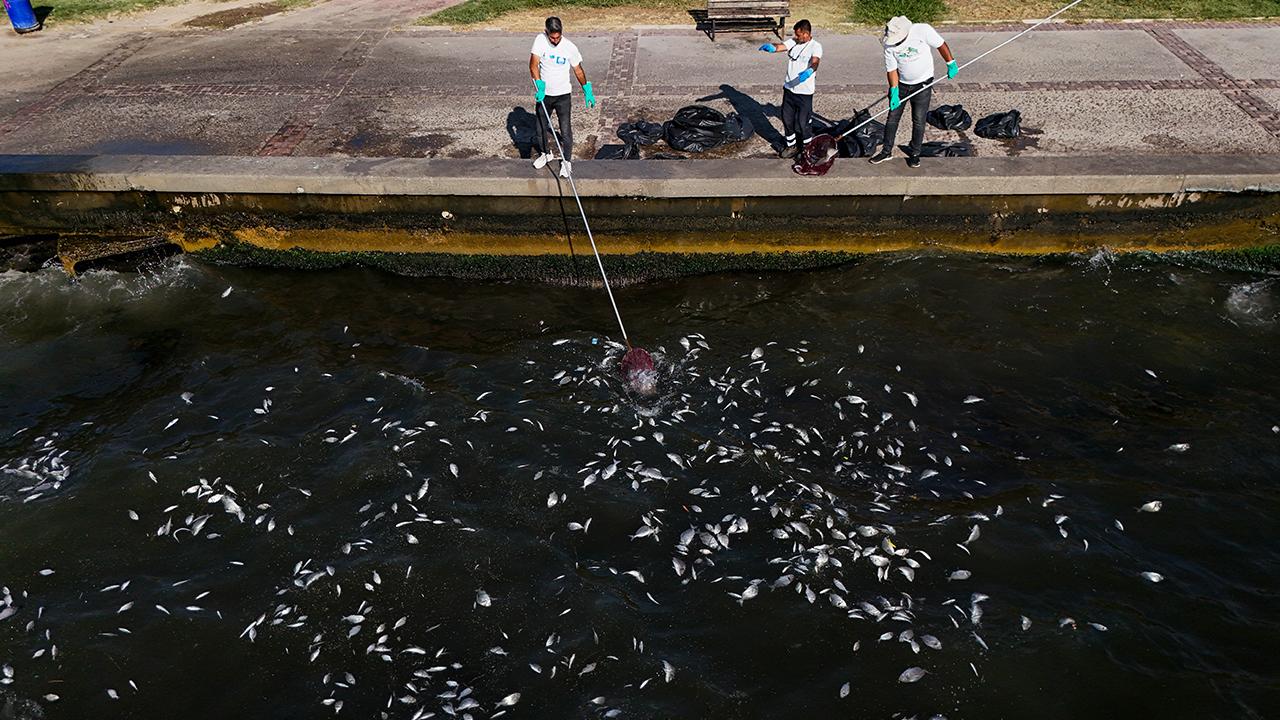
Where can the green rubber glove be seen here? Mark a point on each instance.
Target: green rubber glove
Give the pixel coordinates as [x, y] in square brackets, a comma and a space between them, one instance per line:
[894, 101]
[539, 90]
[589, 95]
[952, 69]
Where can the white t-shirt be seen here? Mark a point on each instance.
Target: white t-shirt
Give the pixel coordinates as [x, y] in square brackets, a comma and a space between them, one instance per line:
[554, 62]
[798, 57]
[913, 57]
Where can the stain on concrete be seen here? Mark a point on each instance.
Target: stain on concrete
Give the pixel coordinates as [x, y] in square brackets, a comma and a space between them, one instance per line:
[1165, 141]
[370, 142]
[149, 146]
[1029, 137]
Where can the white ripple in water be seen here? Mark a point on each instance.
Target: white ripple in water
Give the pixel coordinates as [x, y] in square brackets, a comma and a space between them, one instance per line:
[1252, 302]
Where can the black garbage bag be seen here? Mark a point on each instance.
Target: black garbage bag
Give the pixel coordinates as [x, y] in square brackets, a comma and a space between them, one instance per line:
[696, 128]
[640, 132]
[942, 149]
[999, 125]
[949, 117]
[629, 151]
[868, 137]
[861, 142]
[737, 128]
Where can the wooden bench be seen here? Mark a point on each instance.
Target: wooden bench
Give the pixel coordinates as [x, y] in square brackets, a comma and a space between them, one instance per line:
[746, 15]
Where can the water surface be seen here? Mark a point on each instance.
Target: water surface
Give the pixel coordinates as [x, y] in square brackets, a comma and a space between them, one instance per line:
[231, 492]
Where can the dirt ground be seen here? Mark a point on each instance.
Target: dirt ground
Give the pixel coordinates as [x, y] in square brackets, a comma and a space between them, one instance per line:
[235, 16]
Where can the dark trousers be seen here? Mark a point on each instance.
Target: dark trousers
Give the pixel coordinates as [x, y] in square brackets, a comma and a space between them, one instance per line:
[796, 110]
[562, 106]
[919, 108]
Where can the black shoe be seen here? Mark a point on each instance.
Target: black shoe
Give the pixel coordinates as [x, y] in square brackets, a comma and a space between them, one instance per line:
[790, 151]
[880, 157]
[913, 161]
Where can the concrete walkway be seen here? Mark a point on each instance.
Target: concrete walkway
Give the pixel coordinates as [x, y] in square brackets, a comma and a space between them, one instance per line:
[355, 78]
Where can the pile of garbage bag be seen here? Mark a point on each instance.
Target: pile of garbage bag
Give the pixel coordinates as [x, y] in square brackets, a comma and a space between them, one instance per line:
[861, 142]
[694, 128]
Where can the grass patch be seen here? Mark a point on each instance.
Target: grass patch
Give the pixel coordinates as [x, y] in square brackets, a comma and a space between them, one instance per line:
[80, 10]
[978, 10]
[866, 12]
[876, 12]
[1194, 9]
[478, 11]
[60, 11]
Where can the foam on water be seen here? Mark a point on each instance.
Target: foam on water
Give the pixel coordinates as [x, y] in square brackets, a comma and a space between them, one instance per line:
[1253, 302]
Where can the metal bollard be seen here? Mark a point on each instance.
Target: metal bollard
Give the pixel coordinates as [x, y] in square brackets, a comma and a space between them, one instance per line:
[21, 15]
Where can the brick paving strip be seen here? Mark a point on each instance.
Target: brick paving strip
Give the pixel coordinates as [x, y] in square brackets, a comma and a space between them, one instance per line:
[295, 129]
[619, 83]
[1235, 90]
[79, 84]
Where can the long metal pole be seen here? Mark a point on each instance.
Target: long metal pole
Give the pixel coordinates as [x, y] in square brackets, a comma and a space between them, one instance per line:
[976, 59]
[573, 186]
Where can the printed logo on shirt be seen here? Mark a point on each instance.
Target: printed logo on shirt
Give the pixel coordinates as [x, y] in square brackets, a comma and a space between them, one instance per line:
[908, 53]
[559, 59]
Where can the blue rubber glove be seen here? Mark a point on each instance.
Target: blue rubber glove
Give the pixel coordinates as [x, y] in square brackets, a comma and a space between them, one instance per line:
[539, 90]
[767, 47]
[589, 95]
[808, 73]
[894, 101]
[952, 69]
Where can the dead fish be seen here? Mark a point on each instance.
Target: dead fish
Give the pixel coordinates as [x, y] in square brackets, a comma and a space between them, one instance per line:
[911, 674]
[668, 671]
[509, 700]
[1154, 577]
[960, 575]
[1179, 447]
[1153, 506]
[483, 599]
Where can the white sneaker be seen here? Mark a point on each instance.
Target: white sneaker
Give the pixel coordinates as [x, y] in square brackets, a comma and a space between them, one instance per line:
[542, 160]
[566, 167]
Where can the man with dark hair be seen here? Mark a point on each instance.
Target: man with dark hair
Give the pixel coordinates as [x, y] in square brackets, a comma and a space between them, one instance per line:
[908, 60]
[803, 56]
[549, 64]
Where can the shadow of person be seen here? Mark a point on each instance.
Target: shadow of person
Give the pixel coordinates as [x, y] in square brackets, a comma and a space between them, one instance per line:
[42, 12]
[757, 114]
[522, 126]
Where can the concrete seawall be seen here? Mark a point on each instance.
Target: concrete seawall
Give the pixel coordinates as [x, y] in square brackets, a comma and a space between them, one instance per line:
[721, 209]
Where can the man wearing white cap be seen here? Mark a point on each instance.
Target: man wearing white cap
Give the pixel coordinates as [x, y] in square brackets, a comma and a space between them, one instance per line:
[908, 60]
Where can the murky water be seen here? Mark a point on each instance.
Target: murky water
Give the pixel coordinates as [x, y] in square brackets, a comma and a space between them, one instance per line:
[353, 493]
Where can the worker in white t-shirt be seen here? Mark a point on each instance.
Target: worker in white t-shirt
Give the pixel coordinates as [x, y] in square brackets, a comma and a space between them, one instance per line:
[908, 60]
[803, 56]
[549, 63]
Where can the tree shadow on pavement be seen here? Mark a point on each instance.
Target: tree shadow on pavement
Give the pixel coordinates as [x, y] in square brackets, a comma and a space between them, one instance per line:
[751, 109]
[522, 126]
